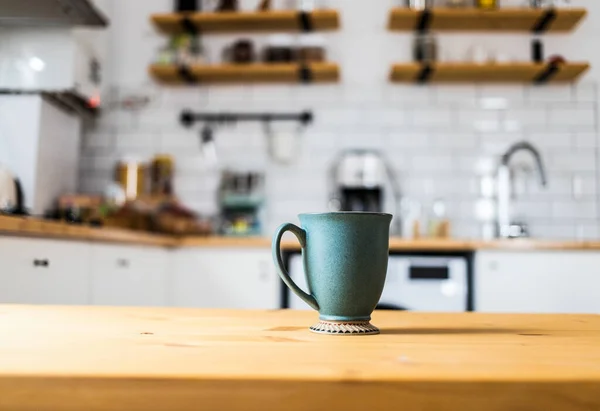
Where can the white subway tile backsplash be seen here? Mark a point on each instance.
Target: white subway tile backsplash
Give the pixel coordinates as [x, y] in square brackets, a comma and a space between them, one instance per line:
[181, 141]
[587, 231]
[408, 141]
[146, 142]
[585, 92]
[549, 93]
[525, 118]
[463, 95]
[395, 93]
[431, 118]
[575, 210]
[580, 118]
[431, 162]
[458, 140]
[585, 140]
[579, 160]
[551, 140]
[513, 95]
[479, 120]
[441, 140]
[386, 117]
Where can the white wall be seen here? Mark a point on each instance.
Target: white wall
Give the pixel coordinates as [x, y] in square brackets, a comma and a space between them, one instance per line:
[439, 139]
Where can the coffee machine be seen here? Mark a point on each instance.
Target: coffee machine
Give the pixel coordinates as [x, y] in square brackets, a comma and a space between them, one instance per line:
[358, 178]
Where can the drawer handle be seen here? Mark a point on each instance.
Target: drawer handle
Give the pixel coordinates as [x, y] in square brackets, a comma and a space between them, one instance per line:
[122, 262]
[41, 262]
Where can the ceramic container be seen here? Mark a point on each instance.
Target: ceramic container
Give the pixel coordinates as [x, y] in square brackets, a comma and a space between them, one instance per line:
[345, 257]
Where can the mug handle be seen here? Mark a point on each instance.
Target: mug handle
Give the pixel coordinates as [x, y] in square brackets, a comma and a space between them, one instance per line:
[301, 235]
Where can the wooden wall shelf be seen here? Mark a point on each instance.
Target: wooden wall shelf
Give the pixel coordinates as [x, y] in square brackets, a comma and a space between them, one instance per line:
[500, 20]
[485, 73]
[259, 21]
[246, 73]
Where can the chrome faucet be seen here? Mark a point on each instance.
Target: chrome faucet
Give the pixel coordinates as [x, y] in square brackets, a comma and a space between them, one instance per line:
[505, 228]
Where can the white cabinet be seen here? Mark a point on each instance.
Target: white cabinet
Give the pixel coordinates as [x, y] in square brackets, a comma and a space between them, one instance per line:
[44, 271]
[537, 282]
[129, 276]
[225, 278]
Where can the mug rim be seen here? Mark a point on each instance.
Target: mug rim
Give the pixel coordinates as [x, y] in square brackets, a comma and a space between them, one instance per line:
[371, 213]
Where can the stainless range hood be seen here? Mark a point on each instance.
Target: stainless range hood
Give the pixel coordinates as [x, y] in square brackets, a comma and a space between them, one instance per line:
[51, 13]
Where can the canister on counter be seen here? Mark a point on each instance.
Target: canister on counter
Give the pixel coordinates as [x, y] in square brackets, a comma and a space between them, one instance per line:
[162, 170]
[130, 173]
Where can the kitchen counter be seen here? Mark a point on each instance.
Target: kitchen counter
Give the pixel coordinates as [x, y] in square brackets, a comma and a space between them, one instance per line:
[19, 226]
[155, 359]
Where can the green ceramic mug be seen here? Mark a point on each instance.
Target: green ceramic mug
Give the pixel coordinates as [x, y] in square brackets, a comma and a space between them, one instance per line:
[345, 258]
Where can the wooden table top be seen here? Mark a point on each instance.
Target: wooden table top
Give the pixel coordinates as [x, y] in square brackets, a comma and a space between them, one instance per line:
[130, 359]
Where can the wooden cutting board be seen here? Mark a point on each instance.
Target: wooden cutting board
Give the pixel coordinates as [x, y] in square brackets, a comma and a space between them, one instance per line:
[130, 359]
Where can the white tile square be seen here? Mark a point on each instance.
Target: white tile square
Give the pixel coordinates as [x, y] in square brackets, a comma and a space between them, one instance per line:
[479, 120]
[526, 118]
[571, 209]
[585, 140]
[463, 95]
[431, 118]
[575, 117]
[550, 93]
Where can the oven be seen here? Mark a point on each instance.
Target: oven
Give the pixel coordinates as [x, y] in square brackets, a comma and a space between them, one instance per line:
[417, 281]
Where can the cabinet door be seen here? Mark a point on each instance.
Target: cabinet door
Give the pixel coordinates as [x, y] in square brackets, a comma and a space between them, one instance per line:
[128, 275]
[225, 278]
[44, 271]
[537, 282]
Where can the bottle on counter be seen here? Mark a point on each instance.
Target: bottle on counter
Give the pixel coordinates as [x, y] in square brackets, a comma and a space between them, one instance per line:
[161, 175]
[130, 173]
[487, 4]
[439, 226]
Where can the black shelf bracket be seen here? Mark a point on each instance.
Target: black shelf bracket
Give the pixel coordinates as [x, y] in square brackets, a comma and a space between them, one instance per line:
[186, 75]
[305, 20]
[545, 21]
[305, 74]
[424, 21]
[546, 75]
[188, 26]
[188, 117]
[425, 74]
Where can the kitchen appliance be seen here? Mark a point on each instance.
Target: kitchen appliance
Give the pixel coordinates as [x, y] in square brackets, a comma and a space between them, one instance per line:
[241, 201]
[425, 282]
[358, 179]
[51, 13]
[11, 194]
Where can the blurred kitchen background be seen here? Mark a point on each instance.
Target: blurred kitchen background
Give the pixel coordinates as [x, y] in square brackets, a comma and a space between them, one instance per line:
[128, 115]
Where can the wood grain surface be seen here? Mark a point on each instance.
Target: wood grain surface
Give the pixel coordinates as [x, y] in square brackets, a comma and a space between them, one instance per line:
[130, 359]
[19, 226]
[33, 227]
[472, 19]
[454, 72]
[247, 21]
[246, 73]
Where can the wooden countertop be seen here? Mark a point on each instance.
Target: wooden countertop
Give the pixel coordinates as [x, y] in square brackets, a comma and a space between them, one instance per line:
[20, 226]
[155, 359]
[33, 227]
